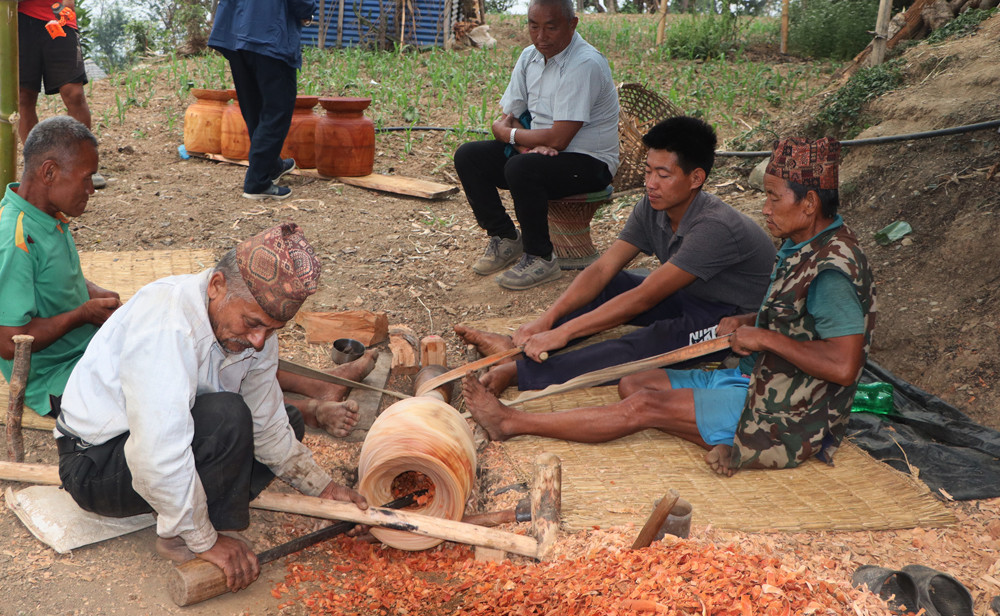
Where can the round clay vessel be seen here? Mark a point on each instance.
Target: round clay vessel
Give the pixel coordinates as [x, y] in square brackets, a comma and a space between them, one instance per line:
[203, 121]
[235, 137]
[300, 143]
[345, 138]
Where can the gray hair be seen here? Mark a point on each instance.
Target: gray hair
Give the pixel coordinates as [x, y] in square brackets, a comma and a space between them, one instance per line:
[567, 6]
[55, 138]
[235, 284]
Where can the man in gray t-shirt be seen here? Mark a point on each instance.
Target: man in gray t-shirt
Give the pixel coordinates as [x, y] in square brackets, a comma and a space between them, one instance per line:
[715, 262]
[558, 137]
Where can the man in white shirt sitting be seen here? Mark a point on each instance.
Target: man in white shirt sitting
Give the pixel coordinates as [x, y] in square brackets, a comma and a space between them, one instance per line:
[175, 405]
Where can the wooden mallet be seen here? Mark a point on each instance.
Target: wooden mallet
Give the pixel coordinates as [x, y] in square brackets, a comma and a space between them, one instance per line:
[198, 580]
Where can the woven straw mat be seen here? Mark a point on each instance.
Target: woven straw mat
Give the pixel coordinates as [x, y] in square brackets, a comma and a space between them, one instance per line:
[617, 483]
[127, 272]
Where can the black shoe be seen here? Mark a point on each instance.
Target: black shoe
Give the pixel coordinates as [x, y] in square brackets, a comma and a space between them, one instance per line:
[287, 166]
[271, 192]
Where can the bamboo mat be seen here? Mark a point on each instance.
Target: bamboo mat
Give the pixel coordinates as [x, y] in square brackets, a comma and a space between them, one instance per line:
[126, 272]
[616, 483]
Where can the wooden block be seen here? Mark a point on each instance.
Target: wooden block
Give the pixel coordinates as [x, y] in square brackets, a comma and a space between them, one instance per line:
[367, 327]
[546, 502]
[403, 344]
[433, 351]
[490, 554]
[369, 401]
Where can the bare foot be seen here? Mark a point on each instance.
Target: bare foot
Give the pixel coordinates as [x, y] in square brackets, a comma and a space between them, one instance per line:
[337, 418]
[718, 459]
[174, 548]
[486, 342]
[486, 409]
[355, 370]
[500, 378]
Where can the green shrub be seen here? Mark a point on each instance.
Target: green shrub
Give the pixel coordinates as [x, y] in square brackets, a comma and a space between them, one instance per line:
[699, 37]
[963, 25]
[836, 29]
[841, 114]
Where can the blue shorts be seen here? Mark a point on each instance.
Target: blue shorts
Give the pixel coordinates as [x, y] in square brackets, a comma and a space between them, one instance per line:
[718, 400]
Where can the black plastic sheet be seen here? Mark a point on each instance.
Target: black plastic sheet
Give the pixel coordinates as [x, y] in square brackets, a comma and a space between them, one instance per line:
[954, 455]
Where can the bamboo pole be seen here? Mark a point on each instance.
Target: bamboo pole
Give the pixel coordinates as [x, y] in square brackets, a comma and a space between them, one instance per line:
[8, 91]
[784, 26]
[881, 32]
[661, 23]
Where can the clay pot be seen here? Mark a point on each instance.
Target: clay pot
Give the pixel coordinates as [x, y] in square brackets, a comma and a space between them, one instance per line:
[345, 138]
[235, 137]
[203, 121]
[425, 436]
[300, 143]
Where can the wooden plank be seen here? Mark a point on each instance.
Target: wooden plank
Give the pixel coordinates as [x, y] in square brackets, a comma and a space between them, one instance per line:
[400, 185]
[369, 401]
[30, 419]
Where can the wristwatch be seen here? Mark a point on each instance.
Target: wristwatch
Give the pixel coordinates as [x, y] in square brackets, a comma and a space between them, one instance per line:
[512, 131]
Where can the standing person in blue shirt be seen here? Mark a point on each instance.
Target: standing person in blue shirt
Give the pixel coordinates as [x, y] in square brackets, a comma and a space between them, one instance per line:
[261, 39]
[562, 88]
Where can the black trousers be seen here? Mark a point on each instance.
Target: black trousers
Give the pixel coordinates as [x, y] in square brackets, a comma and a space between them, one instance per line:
[266, 88]
[99, 480]
[532, 179]
[677, 321]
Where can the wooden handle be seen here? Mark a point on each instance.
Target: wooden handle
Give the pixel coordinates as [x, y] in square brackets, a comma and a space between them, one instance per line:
[294, 368]
[15, 402]
[198, 580]
[656, 519]
[461, 371]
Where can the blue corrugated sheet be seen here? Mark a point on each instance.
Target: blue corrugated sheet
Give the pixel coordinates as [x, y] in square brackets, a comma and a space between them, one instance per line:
[375, 23]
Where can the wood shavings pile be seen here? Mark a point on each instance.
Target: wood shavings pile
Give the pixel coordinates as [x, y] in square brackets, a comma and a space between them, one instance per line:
[684, 577]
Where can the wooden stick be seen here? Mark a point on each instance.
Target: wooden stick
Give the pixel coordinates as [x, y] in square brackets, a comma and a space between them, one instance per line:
[448, 530]
[656, 519]
[15, 402]
[34, 421]
[199, 580]
[461, 371]
[616, 372]
[288, 366]
[546, 502]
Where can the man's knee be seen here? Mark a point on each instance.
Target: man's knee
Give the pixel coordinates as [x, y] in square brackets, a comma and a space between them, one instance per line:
[469, 156]
[297, 422]
[224, 415]
[73, 97]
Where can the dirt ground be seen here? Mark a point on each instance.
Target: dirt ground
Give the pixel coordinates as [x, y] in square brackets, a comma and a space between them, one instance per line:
[410, 258]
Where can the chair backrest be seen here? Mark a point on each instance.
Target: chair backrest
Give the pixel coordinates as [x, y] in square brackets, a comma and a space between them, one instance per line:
[641, 109]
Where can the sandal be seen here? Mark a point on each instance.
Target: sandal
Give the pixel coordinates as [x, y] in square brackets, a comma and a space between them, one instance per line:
[939, 593]
[896, 588]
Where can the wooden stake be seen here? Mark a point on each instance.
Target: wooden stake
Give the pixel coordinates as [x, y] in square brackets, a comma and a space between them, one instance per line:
[881, 32]
[784, 27]
[656, 519]
[433, 351]
[15, 403]
[546, 502]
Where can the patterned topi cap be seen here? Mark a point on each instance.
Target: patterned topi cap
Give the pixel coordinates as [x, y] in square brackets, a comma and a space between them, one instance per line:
[813, 164]
[280, 269]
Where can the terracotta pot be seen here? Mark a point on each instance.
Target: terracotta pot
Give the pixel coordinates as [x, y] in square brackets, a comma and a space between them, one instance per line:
[235, 137]
[345, 138]
[203, 121]
[420, 435]
[300, 143]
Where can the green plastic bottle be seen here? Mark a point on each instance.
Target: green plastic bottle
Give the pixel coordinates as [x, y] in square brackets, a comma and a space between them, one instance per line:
[873, 398]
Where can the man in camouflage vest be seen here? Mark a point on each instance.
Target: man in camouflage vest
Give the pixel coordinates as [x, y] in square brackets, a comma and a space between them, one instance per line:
[802, 352]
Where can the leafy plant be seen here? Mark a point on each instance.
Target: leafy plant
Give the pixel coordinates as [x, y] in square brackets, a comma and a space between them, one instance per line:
[836, 29]
[963, 25]
[699, 37]
[842, 112]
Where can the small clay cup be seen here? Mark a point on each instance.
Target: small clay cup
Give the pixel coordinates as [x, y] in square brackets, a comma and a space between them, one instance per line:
[346, 350]
[678, 522]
